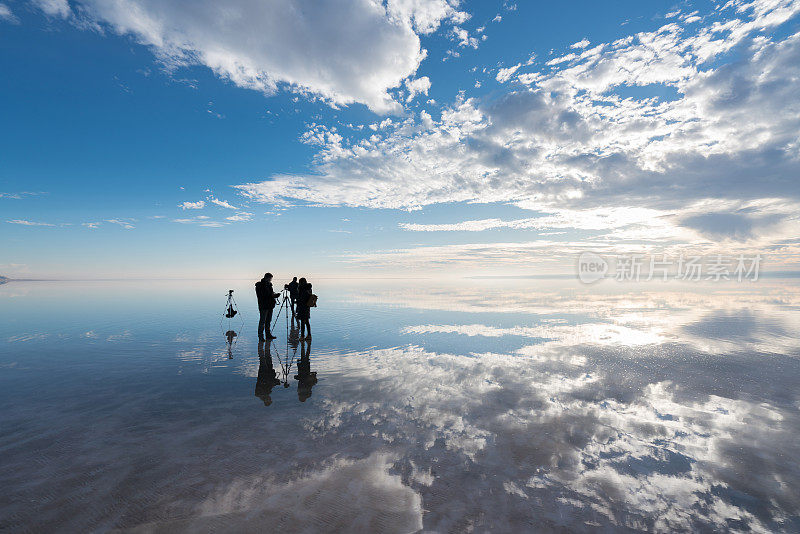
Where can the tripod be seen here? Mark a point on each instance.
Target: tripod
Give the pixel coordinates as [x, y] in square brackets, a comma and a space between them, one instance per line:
[234, 321]
[286, 305]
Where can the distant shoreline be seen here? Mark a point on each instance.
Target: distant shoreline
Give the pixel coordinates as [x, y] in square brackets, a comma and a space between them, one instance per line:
[203, 279]
[4, 280]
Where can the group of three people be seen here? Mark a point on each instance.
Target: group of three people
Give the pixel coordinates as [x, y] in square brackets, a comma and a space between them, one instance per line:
[299, 302]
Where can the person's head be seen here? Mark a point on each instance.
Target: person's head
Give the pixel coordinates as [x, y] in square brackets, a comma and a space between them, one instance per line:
[308, 286]
[267, 276]
[294, 279]
[303, 281]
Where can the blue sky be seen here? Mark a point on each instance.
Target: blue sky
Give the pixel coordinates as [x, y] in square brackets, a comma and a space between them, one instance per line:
[148, 138]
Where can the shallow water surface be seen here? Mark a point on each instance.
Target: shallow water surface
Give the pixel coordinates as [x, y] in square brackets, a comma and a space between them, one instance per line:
[505, 405]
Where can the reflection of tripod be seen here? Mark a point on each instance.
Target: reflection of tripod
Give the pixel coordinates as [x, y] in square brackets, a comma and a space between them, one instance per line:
[286, 364]
[285, 308]
[230, 306]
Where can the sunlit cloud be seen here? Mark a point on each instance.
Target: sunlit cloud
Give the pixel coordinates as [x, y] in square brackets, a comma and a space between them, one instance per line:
[420, 86]
[276, 47]
[200, 204]
[705, 151]
[221, 203]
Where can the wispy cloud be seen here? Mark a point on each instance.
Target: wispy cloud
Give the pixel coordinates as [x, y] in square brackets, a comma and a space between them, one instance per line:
[551, 254]
[7, 15]
[200, 220]
[125, 223]
[200, 204]
[54, 8]
[240, 217]
[222, 203]
[21, 194]
[729, 219]
[29, 223]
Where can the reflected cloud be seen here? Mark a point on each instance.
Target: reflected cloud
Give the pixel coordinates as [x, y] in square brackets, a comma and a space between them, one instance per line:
[22, 338]
[462, 407]
[603, 443]
[719, 321]
[124, 336]
[601, 334]
[345, 495]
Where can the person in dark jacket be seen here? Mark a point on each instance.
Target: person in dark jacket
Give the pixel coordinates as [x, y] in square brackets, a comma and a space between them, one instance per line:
[303, 309]
[293, 293]
[266, 303]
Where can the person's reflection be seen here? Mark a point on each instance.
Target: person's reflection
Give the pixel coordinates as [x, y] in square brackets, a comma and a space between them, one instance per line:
[267, 378]
[230, 336]
[305, 377]
[294, 335]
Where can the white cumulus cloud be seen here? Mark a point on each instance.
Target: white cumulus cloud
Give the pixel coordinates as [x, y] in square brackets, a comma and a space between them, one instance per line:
[707, 148]
[420, 86]
[503, 75]
[343, 51]
[200, 204]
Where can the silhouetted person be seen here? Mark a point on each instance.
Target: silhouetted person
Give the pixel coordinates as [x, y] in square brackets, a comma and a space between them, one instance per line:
[266, 303]
[293, 292]
[267, 378]
[303, 309]
[305, 377]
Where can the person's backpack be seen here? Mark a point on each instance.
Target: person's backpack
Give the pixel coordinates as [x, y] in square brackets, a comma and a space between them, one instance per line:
[312, 301]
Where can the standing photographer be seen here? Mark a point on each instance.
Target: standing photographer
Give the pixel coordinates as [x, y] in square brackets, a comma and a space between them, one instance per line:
[293, 288]
[304, 309]
[266, 303]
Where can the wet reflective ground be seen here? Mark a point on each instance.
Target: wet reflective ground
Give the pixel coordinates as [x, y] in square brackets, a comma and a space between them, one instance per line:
[519, 405]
